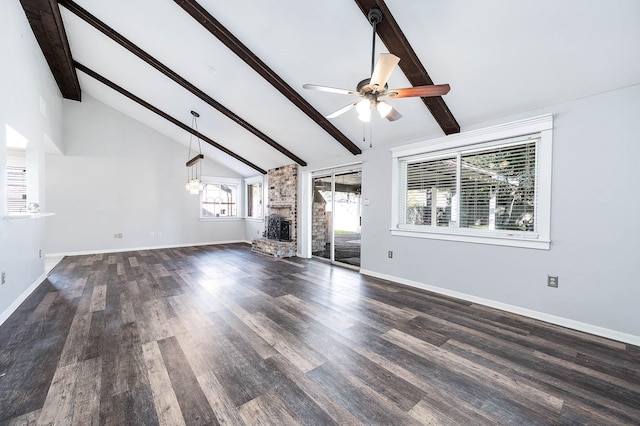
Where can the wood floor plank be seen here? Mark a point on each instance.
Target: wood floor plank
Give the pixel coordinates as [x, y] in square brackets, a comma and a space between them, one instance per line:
[286, 344]
[363, 402]
[86, 395]
[76, 340]
[259, 345]
[29, 355]
[98, 298]
[220, 335]
[435, 395]
[219, 401]
[43, 307]
[164, 398]
[556, 380]
[240, 379]
[329, 405]
[267, 409]
[73, 396]
[303, 308]
[28, 419]
[153, 320]
[475, 371]
[192, 401]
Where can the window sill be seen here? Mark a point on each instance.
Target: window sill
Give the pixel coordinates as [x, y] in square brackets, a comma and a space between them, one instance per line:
[21, 216]
[499, 240]
[219, 219]
[253, 219]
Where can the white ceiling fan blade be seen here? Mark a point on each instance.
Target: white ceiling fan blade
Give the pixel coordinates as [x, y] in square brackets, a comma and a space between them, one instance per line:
[384, 67]
[329, 89]
[341, 110]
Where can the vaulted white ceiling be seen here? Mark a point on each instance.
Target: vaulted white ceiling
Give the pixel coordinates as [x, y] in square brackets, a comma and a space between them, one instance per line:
[500, 57]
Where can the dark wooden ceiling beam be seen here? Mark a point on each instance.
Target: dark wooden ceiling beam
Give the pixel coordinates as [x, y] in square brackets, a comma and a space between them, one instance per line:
[131, 47]
[164, 115]
[236, 46]
[392, 36]
[46, 24]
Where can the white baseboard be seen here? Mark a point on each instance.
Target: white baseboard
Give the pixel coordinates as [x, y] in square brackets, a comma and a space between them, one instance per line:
[16, 303]
[553, 319]
[119, 250]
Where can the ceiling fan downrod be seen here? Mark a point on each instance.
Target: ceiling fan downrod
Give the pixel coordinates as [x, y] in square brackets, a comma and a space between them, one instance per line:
[375, 17]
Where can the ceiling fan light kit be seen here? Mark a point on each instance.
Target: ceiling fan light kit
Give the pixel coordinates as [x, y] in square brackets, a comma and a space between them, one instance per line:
[383, 108]
[364, 110]
[375, 87]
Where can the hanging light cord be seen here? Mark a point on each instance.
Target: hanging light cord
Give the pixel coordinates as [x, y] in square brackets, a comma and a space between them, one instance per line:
[190, 170]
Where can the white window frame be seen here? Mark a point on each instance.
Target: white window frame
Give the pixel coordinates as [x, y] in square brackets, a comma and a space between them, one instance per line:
[541, 126]
[16, 162]
[253, 181]
[239, 198]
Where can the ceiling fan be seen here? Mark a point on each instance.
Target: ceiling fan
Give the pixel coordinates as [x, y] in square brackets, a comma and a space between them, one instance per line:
[373, 88]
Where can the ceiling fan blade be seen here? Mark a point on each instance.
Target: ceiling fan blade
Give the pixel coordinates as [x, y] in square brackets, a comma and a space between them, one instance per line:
[421, 91]
[329, 89]
[341, 110]
[384, 67]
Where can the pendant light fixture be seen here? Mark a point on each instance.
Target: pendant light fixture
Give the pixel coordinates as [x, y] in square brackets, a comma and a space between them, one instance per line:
[194, 169]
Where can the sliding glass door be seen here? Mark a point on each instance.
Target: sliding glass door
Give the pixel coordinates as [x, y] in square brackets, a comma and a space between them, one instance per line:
[336, 213]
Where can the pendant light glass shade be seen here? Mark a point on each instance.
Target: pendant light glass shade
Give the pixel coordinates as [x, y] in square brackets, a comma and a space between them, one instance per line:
[194, 186]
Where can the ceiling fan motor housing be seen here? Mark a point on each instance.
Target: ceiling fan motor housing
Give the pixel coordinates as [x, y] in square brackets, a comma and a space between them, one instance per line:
[364, 88]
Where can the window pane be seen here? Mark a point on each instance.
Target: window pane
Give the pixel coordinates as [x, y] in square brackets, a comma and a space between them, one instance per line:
[219, 200]
[431, 187]
[16, 182]
[254, 200]
[497, 188]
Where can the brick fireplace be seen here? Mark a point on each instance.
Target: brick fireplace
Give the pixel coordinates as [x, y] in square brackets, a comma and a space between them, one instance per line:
[283, 201]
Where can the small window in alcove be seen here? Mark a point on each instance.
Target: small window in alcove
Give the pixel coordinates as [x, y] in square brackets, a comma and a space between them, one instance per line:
[16, 180]
[16, 171]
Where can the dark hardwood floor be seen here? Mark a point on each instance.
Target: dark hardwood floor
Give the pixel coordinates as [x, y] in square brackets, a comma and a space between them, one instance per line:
[221, 335]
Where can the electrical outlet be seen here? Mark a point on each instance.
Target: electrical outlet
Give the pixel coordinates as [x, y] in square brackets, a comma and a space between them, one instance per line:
[4, 277]
[39, 253]
[552, 281]
[390, 254]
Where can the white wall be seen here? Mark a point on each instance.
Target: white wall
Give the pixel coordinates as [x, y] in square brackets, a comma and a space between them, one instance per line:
[32, 106]
[119, 176]
[254, 228]
[595, 227]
